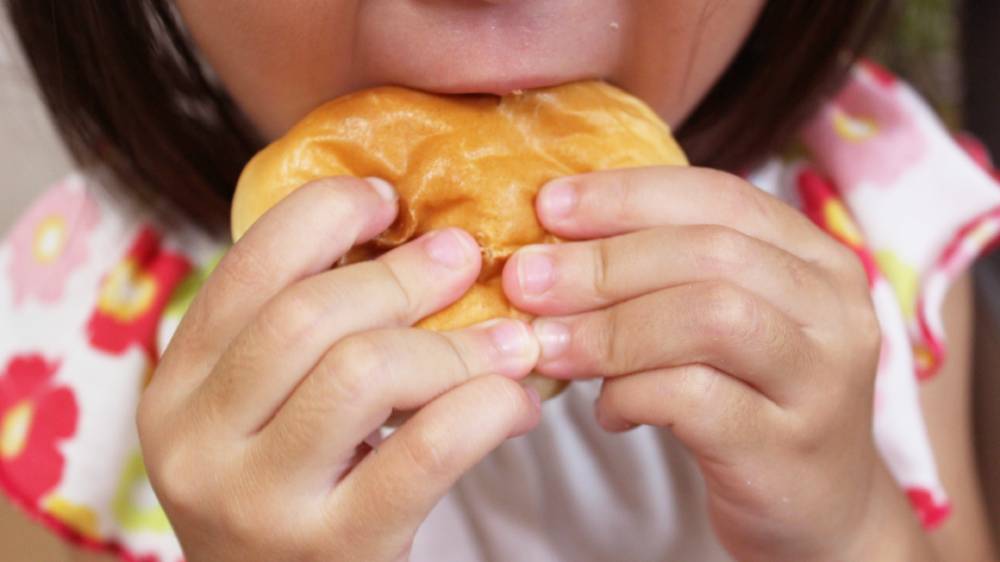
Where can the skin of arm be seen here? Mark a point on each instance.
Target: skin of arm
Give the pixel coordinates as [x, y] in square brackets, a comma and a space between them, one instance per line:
[947, 404]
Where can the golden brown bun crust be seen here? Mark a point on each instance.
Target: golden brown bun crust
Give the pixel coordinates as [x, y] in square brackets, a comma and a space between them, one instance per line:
[474, 162]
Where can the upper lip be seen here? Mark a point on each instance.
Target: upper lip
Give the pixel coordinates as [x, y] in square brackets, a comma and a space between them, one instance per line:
[453, 50]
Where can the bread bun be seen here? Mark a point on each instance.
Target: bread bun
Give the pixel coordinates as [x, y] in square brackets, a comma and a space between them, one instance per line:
[471, 161]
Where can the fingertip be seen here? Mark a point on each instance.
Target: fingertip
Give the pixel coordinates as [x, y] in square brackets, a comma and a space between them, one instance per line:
[555, 339]
[529, 277]
[608, 419]
[531, 414]
[514, 347]
[556, 201]
[383, 189]
[453, 248]
[386, 211]
[511, 284]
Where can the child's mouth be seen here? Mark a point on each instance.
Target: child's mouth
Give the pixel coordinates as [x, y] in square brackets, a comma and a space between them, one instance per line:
[495, 50]
[505, 85]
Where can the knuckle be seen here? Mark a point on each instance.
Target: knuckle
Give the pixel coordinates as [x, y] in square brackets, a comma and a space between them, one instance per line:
[600, 342]
[428, 451]
[804, 432]
[623, 197]
[174, 477]
[612, 331]
[728, 313]
[404, 302]
[801, 275]
[698, 387]
[736, 195]
[726, 248]
[355, 368]
[699, 384]
[602, 269]
[458, 363]
[288, 318]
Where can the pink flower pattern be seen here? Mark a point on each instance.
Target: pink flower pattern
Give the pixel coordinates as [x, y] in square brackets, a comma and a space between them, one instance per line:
[51, 241]
[867, 133]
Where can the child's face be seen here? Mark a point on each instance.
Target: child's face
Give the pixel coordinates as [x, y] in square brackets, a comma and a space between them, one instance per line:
[282, 59]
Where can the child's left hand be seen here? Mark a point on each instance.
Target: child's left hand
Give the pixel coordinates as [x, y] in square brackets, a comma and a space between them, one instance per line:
[718, 311]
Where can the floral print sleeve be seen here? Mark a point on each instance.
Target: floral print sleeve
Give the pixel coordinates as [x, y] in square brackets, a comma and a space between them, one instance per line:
[82, 291]
[882, 175]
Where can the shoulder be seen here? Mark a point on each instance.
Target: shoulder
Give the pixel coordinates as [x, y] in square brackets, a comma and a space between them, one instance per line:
[925, 203]
[878, 171]
[85, 283]
[878, 137]
[74, 254]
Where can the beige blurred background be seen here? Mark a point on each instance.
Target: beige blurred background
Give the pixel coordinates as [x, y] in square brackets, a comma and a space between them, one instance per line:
[31, 156]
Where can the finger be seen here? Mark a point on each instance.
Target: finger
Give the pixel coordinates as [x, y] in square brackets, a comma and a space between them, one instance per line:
[714, 323]
[332, 214]
[714, 414]
[363, 378]
[606, 203]
[293, 331]
[546, 280]
[395, 487]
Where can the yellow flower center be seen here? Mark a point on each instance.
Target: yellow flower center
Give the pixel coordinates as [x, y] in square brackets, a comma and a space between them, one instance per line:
[840, 223]
[14, 430]
[135, 506]
[50, 239]
[923, 357]
[127, 292]
[854, 129]
[80, 518]
[904, 280]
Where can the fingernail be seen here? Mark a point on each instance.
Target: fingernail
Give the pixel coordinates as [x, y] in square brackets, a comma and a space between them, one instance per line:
[557, 199]
[449, 248]
[510, 337]
[536, 271]
[515, 348]
[381, 187]
[553, 336]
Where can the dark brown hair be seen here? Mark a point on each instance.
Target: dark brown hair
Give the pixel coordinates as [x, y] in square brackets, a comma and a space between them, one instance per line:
[126, 91]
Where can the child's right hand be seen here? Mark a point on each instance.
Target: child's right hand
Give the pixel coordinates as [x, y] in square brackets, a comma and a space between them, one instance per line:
[253, 425]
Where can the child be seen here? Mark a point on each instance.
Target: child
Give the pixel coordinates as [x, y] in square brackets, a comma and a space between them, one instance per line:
[746, 378]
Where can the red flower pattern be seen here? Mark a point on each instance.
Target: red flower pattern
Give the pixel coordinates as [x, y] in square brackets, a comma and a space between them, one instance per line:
[133, 295]
[34, 417]
[822, 205]
[931, 513]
